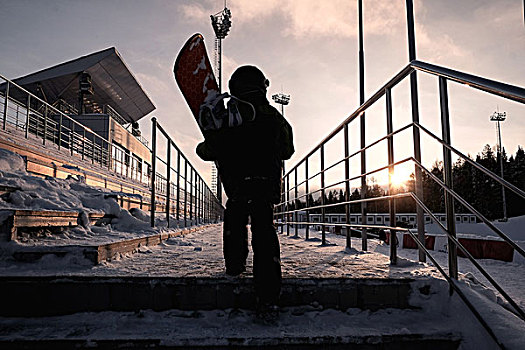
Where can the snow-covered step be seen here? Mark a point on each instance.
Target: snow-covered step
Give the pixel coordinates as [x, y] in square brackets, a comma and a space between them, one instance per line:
[99, 252]
[71, 294]
[244, 334]
[15, 220]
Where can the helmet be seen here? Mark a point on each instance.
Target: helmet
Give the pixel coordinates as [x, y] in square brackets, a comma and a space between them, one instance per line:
[247, 79]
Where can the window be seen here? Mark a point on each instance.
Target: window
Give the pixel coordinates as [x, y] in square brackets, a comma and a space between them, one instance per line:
[352, 219]
[412, 218]
[370, 219]
[379, 220]
[334, 219]
[136, 168]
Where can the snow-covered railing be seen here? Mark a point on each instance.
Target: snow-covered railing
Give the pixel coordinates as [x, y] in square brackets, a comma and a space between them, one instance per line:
[194, 201]
[299, 199]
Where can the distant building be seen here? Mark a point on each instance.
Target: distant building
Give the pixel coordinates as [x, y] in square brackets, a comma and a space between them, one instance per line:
[214, 178]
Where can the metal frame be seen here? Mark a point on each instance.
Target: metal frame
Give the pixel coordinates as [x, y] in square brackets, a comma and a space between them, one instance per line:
[212, 209]
[444, 75]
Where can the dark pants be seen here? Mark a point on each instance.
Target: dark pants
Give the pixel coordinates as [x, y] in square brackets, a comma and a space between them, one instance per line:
[265, 244]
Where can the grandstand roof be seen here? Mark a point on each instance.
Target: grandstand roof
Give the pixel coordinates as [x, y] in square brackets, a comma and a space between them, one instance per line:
[113, 84]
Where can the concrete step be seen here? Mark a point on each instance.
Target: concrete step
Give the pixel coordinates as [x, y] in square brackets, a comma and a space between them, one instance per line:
[46, 296]
[444, 341]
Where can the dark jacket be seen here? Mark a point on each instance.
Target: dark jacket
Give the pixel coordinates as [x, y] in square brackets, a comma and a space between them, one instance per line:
[249, 157]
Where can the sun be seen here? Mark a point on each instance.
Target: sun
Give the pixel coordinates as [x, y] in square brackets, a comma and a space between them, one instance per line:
[400, 177]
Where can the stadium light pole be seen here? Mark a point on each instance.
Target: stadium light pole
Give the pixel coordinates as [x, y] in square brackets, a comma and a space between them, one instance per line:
[221, 23]
[283, 100]
[500, 117]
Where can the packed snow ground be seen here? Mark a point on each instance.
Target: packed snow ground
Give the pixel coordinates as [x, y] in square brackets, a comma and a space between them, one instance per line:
[200, 254]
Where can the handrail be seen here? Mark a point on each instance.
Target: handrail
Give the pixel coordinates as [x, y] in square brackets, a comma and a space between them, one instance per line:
[471, 208]
[493, 87]
[511, 92]
[470, 257]
[201, 198]
[291, 205]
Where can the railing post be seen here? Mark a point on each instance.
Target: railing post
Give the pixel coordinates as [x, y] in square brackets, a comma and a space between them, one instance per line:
[168, 189]
[296, 206]
[153, 167]
[6, 101]
[390, 146]
[287, 204]
[283, 197]
[191, 195]
[415, 130]
[93, 149]
[45, 127]
[28, 112]
[347, 187]
[60, 131]
[199, 200]
[447, 179]
[71, 137]
[323, 210]
[84, 144]
[16, 118]
[307, 192]
[177, 205]
[364, 242]
[185, 192]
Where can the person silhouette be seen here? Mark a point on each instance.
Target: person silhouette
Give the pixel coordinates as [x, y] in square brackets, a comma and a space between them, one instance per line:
[249, 157]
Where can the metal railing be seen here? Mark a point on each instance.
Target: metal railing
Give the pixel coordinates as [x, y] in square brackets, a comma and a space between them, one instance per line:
[295, 204]
[47, 125]
[35, 117]
[194, 202]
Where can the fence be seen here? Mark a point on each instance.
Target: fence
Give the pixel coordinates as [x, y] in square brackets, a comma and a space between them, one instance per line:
[294, 203]
[194, 201]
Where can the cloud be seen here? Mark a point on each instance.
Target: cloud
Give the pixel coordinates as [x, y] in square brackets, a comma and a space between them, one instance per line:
[307, 18]
[440, 47]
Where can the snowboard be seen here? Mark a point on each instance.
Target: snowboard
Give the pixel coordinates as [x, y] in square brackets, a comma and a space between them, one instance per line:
[195, 78]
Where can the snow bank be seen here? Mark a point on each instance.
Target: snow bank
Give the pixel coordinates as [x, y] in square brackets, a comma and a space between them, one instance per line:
[11, 162]
[71, 194]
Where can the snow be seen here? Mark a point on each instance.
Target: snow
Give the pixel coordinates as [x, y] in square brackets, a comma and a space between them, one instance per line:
[71, 194]
[199, 254]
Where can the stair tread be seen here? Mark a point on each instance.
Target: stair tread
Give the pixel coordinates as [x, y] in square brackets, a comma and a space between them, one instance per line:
[298, 325]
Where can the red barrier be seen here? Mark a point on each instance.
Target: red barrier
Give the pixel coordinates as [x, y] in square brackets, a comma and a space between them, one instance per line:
[408, 242]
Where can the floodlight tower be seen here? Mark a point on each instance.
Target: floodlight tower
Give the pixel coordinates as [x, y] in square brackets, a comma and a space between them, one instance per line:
[499, 117]
[281, 99]
[221, 23]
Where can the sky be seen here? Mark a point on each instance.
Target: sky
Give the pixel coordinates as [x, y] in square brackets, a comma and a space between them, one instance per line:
[307, 49]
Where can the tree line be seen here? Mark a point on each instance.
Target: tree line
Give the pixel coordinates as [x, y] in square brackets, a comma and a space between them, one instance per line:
[478, 189]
